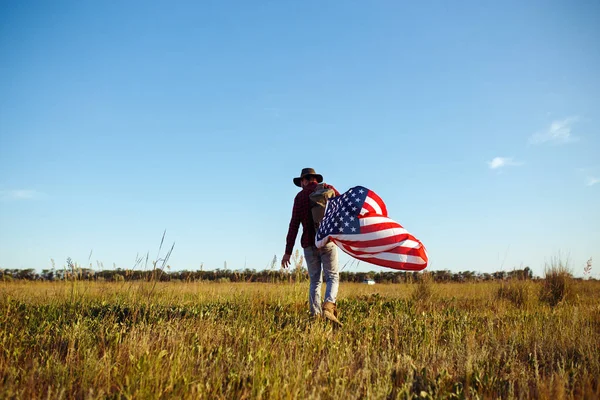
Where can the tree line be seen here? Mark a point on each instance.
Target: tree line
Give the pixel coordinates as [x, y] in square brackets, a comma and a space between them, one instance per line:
[294, 274]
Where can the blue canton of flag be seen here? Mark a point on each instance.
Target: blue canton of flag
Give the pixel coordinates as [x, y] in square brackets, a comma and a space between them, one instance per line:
[341, 214]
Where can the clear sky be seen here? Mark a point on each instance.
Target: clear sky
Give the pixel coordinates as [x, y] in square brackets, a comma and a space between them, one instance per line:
[477, 123]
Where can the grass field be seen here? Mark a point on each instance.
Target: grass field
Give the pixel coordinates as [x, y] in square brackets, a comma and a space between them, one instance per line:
[236, 341]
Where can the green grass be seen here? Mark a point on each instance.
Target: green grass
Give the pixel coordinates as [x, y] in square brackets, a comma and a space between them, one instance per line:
[202, 340]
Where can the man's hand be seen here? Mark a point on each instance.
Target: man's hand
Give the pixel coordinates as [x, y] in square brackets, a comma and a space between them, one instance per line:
[285, 261]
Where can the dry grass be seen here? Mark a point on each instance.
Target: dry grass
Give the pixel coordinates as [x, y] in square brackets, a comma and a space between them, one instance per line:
[518, 292]
[200, 340]
[423, 290]
[557, 285]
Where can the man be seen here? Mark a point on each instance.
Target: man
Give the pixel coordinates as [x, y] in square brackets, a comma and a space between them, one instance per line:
[319, 261]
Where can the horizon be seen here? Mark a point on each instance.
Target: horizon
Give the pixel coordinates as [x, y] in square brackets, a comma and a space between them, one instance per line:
[99, 267]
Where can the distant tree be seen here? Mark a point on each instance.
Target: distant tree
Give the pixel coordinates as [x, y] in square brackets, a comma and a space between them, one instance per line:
[27, 274]
[442, 276]
[47, 274]
[499, 275]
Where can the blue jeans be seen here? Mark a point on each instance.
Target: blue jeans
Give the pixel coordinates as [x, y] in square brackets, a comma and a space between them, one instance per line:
[320, 262]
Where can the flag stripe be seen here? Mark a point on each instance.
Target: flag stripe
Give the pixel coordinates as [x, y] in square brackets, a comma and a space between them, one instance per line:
[374, 206]
[404, 258]
[417, 252]
[375, 197]
[407, 244]
[371, 239]
[375, 219]
[389, 224]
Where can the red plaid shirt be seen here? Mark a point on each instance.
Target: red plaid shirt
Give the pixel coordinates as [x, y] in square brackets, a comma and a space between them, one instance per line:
[301, 214]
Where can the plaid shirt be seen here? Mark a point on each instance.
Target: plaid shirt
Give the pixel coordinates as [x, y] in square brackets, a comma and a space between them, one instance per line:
[301, 214]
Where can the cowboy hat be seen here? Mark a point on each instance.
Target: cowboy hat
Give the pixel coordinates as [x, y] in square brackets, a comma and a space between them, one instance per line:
[307, 172]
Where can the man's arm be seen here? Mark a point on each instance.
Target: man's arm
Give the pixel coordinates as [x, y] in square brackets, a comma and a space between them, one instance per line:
[292, 233]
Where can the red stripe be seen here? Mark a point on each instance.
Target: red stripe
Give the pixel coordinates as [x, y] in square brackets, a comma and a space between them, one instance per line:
[398, 265]
[375, 197]
[369, 208]
[380, 226]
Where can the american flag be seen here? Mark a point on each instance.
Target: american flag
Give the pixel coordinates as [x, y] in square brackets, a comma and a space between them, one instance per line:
[357, 223]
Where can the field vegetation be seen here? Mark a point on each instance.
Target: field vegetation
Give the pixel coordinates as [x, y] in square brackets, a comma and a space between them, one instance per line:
[136, 339]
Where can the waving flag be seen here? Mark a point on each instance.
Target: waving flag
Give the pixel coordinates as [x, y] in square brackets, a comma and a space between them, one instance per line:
[357, 222]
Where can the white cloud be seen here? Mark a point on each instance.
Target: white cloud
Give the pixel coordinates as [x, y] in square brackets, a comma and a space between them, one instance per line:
[559, 132]
[499, 162]
[591, 180]
[19, 194]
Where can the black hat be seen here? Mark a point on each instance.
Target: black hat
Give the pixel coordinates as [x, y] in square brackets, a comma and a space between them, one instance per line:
[307, 172]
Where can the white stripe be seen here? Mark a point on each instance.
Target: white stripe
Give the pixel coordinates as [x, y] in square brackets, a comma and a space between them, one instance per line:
[322, 242]
[373, 204]
[371, 236]
[375, 220]
[403, 258]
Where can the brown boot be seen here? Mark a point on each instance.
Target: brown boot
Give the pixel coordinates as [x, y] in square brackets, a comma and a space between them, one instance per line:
[330, 312]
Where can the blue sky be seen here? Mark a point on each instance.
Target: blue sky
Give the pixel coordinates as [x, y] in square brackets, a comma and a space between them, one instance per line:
[477, 123]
